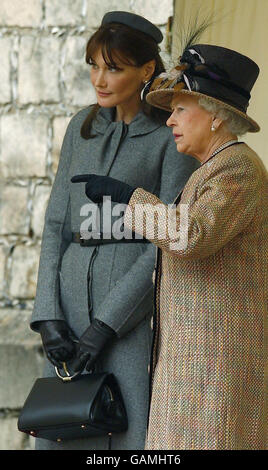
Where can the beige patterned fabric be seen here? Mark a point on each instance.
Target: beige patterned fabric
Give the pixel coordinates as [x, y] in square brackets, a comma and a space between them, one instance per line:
[210, 349]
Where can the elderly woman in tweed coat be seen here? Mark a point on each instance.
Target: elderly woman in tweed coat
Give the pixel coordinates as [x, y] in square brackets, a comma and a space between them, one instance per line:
[209, 358]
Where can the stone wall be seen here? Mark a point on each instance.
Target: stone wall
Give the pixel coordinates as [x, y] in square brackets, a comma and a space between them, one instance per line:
[44, 81]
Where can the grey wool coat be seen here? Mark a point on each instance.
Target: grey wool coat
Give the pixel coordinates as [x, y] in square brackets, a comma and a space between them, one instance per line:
[112, 283]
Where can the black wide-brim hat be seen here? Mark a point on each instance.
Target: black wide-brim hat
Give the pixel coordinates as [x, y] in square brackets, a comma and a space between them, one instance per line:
[221, 75]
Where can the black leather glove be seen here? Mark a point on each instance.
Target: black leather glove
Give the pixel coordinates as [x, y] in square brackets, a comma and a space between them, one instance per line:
[57, 340]
[99, 186]
[91, 344]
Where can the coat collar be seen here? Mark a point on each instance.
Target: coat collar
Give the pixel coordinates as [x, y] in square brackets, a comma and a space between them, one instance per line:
[140, 125]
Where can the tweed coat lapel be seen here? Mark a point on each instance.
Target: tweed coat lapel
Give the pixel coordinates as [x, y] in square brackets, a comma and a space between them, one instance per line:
[156, 316]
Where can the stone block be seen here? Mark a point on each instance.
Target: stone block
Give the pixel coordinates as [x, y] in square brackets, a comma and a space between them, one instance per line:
[24, 13]
[5, 89]
[65, 12]
[2, 268]
[23, 140]
[38, 69]
[14, 216]
[60, 124]
[96, 10]
[40, 201]
[21, 357]
[24, 270]
[154, 11]
[11, 438]
[78, 89]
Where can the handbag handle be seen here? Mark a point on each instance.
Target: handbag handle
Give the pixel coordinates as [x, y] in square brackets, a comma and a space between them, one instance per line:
[67, 377]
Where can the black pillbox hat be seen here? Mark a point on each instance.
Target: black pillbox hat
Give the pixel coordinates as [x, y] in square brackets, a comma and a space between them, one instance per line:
[133, 21]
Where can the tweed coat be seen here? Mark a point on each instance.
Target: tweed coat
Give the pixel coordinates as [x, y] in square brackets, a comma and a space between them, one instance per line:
[111, 282]
[209, 362]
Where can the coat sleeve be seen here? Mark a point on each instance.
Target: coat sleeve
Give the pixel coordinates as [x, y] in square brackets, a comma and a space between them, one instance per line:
[55, 240]
[131, 299]
[224, 204]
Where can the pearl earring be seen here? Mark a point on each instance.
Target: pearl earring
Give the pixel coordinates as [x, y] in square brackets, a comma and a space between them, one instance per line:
[213, 128]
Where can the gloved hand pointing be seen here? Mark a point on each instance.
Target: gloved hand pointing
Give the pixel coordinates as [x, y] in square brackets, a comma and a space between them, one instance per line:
[99, 186]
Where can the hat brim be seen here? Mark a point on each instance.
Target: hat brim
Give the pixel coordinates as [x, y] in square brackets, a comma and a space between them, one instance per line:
[162, 99]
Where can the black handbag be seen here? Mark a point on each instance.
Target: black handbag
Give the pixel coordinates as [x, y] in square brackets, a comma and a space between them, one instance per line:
[73, 407]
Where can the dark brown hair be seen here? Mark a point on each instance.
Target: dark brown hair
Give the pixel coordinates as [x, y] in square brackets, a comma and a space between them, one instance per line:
[131, 47]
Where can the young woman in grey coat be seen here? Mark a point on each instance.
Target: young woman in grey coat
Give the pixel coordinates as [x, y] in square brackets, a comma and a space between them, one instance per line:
[100, 291]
